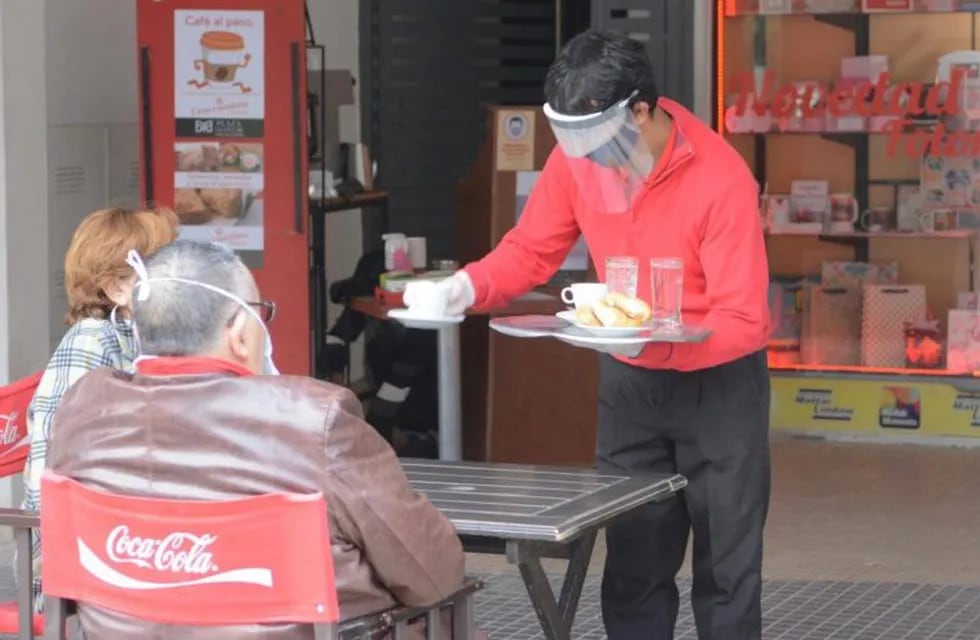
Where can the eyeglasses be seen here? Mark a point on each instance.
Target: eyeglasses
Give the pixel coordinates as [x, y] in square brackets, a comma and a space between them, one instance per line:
[267, 311]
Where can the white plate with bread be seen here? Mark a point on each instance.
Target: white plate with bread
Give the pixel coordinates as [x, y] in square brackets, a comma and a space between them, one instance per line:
[615, 315]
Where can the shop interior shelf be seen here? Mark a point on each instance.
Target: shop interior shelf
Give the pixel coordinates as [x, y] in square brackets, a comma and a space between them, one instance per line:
[871, 371]
[956, 234]
[843, 137]
[861, 240]
[767, 7]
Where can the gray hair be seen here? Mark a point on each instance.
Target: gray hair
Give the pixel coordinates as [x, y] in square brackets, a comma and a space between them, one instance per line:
[179, 318]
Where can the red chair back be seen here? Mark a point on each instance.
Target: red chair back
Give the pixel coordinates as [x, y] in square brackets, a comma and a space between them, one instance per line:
[14, 440]
[253, 560]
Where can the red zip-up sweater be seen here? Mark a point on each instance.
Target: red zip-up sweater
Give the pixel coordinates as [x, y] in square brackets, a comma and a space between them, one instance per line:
[700, 203]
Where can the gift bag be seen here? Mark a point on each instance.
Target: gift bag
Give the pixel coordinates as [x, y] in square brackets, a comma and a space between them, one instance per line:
[856, 274]
[963, 341]
[785, 309]
[923, 344]
[885, 311]
[831, 326]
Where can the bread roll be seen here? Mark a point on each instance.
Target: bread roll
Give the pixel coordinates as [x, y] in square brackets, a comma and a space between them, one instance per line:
[609, 316]
[635, 308]
[585, 316]
[227, 202]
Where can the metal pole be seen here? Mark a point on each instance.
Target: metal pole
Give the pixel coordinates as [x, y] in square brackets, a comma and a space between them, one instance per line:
[703, 60]
[558, 26]
[450, 395]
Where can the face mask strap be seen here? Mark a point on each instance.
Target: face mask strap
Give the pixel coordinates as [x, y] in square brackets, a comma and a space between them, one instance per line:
[142, 292]
[143, 280]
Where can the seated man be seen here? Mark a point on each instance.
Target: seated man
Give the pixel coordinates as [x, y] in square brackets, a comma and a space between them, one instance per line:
[196, 422]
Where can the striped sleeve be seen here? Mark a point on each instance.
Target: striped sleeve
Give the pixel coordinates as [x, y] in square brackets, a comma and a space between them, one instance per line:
[86, 346]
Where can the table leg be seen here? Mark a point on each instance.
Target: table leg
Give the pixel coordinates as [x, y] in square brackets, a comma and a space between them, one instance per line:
[450, 395]
[555, 615]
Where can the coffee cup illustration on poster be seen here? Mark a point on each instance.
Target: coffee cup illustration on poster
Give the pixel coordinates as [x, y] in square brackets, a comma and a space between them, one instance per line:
[219, 72]
[219, 93]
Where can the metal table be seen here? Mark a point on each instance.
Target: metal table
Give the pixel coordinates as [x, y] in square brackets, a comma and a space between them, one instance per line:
[532, 513]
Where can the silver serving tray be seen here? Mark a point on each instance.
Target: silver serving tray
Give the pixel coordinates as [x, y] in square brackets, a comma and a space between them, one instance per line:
[549, 326]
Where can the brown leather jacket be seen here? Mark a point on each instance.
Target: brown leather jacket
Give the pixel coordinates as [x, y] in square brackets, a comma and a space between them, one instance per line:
[216, 436]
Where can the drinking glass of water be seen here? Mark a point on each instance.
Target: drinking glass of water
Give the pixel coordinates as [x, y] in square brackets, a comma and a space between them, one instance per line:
[666, 289]
[622, 274]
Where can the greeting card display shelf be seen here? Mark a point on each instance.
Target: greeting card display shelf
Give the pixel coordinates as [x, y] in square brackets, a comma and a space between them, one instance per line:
[859, 370]
[811, 7]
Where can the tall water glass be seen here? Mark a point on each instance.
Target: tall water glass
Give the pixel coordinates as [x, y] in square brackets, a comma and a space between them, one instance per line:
[622, 273]
[666, 291]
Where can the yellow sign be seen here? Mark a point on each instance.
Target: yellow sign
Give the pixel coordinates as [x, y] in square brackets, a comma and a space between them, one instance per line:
[515, 140]
[942, 407]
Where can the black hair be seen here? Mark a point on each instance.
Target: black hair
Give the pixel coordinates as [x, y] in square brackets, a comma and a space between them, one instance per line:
[597, 69]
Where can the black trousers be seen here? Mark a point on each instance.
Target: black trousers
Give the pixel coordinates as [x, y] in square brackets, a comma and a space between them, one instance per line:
[711, 426]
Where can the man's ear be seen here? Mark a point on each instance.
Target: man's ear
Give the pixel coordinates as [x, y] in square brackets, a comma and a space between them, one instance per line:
[235, 337]
[642, 112]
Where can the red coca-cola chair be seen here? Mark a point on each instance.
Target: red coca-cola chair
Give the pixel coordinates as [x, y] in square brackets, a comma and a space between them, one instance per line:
[251, 560]
[18, 617]
[14, 441]
[14, 447]
[261, 559]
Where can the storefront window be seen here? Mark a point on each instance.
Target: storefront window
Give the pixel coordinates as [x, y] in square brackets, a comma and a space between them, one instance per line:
[861, 120]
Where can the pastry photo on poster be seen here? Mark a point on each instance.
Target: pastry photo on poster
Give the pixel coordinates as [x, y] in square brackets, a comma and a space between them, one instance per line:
[218, 189]
[219, 73]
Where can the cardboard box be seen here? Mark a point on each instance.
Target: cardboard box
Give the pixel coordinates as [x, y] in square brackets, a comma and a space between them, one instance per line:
[858, 274]
[968, 300]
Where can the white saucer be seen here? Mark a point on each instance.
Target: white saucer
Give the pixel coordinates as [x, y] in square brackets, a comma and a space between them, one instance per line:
[603, 332]
[414, 321]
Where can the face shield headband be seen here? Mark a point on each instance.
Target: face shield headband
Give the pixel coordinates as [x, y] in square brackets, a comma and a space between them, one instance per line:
[141, 291]
[606, 154]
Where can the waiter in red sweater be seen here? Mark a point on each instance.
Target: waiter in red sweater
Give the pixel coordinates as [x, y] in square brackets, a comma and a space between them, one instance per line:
[639, 175]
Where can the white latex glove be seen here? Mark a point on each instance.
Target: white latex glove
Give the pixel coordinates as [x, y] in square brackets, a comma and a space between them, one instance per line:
[456, 292]
[459, 291]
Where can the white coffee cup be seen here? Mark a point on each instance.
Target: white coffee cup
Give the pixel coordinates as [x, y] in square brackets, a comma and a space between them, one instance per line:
[426, 300]
[583, 294]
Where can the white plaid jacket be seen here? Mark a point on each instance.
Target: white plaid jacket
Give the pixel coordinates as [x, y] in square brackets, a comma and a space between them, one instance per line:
[89, 344]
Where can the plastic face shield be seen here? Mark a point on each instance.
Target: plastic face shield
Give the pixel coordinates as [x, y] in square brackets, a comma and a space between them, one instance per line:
[606, 154]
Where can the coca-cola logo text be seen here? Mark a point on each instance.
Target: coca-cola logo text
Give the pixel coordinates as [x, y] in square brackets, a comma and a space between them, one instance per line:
[177, 552]
[8, 432]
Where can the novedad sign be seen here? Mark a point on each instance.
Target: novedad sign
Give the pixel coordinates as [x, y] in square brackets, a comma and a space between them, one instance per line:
[867, 99]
